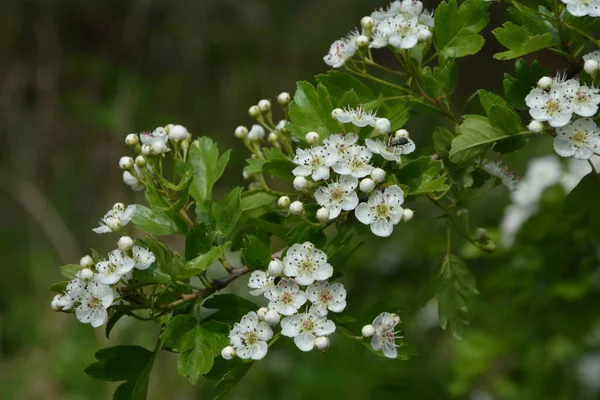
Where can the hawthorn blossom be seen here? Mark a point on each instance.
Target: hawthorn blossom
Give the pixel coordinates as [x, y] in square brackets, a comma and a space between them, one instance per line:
[594, 55]
[156, 139]
[340, 142]
[339, 52]
[325, 296]
[76, 289]
[382, 211]
[380, 15]
[143, 257]
[110, 271]
[338, 196]
[115, 219]
[392, 150]
[262, 284]
[305, 328]
[585, 101]
[357, 116]
[385, 337]
[249, 337]
[94, 304]
[580, 8]
[62, 302]
[501, 171]
[287, 298]
[314, 162]
[579, 139]
[402, 31]
[306, 264]
[553, 106]
[354, 162]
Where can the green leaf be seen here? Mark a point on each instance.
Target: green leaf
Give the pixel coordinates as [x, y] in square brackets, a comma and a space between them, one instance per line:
[112, 321]
[59, 287]
[440, 82]
[137, 388]
[151, 275]
[230, 308]
[310, 111]
[456, 29]
[518, 87]
[198, 241]
[202, 262]
[489, 99]
[196, 344]
[421, 176]
[208, 167]
[581, 203]
[398, 113]
[256, 199]
[165, 260]
[519, 41]
[454, 283]
[442, 140]
[228, 214]
[119, 363]
[339, 83]
[70, 270]
[155, 221]
[255, 253]
[307, 233]
[231, 379]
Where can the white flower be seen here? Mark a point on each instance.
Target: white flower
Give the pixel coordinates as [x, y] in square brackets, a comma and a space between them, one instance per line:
[580, 8]
[402, 31]
[115, 219]
[379, 40]
[249, 337]
[94, 303]
[143, 257]
[355, 162]
[305, 328]
[62, 302]
[262, 284]
[111, 271]
[340, 142]
[157, 140]
[358, 117]
[314, 162]
[287, 297]
[76, 288]
[338, 196]
[514, 216]
[392, 150]
[325, 296]
[339, 52]
[541, 173]
[382, 211]
[500, 171]
[553, 106]
[585, 101]
[413, 7]
[579, 139]
[385, 337]
[380, 15]
[306, 264]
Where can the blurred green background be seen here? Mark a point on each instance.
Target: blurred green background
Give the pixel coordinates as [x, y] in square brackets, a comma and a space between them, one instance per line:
[78, 76]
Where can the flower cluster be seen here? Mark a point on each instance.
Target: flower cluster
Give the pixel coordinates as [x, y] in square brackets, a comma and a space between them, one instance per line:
[581, 8]
[402, 25]
[297, 288]
[92, 290]
[556, 101]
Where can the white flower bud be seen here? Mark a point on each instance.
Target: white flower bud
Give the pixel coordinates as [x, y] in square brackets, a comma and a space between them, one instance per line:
[300, 183]
[337, 111]
[264, 105]
[118, 207]
[275, 268]
[178, 132]
[322, 343]
[368, 330]
[545, 82]
[257, 132]
[86, 261]
[272, 317]
[126, 163]
[312, 137]
[272, 138]
[283, 202]
[408, 215]
[129, 179]
[146, 150]
[140, 161]
[86, 274]
[323, 214]
[125, 243]
[159, 147]
[168, 127]
[245, 175]
[367, 185]
[228, 353]
[284, 98]
[367, 22]
[296, 208]
[425, 35]
[132, 139]
[378, 175]
[591, 66]
[382, 125]
[241, 132]
[261, 313]
[401, 133]
[54, 303]
[362, 41]
[535, 126]
[254, 111]
[281, 125]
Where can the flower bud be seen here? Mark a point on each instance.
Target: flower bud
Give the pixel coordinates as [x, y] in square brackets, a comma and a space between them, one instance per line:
[261, 313]
[264, 105]
[241, 132]
[132, 139]
[312, 138]
[322, 343]
[281, 125]
[396, 318]
[140, 161]
[257, 132]
[367, 22]
[245, 175]
[185, 144]
[296, 208]
[362, 41]
[272, 138]
[382, 125]
[125, 243]
[591, 66]
[378, 175]
[535, 126]
[489, 247]
[482, 235]
[168, 127]
[86, 262]
[129, 179]
[228, 353]
[283, 202]
[272, 317]
[254, 111]
[159, 147]
[146, 150]
[284, 98]
[275, 268]
[337, 111]
[54, 303]
[300, 183]
[408, 215]
[401, 133]
[545, 82]
[323, 214]
[178, 132]
[425, 35]
[367, 185]
[126, 163]
[86, 274]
